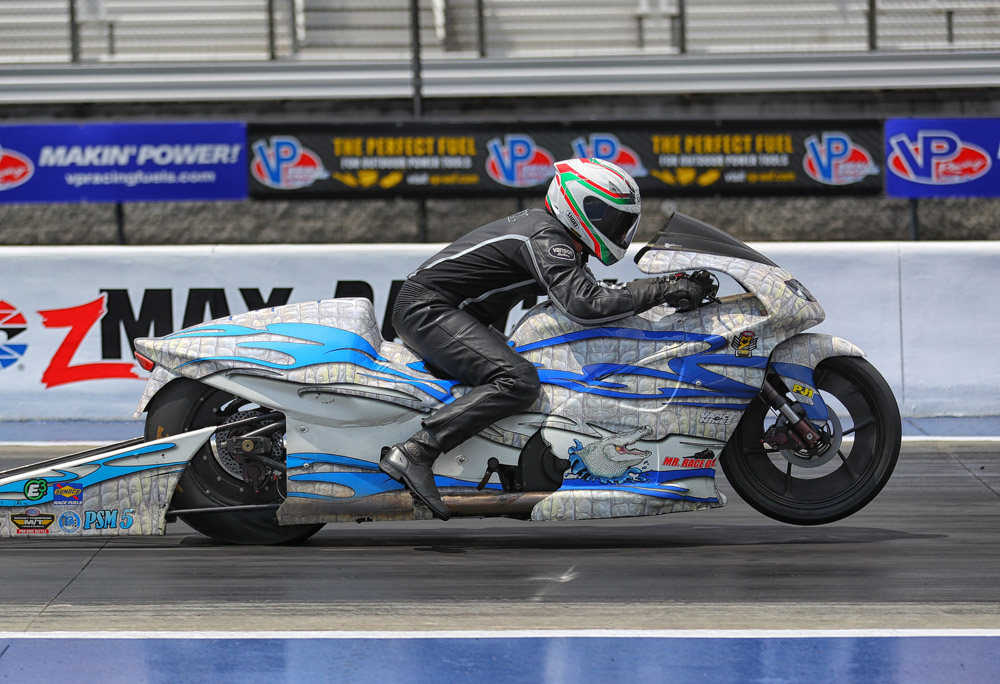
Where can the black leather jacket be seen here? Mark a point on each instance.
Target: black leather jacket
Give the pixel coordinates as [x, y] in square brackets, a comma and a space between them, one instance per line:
[529, 253]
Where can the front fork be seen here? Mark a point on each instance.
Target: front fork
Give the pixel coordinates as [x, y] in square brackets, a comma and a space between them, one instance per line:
[802, 432]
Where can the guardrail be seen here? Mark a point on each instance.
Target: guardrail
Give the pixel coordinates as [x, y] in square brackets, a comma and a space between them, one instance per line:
[441, 78]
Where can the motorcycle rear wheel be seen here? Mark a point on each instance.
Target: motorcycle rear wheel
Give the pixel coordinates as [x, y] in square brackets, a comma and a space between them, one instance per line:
[210, 481]
[804, 489]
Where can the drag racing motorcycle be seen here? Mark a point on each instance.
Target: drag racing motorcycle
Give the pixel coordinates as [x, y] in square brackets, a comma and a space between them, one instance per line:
[264, 426]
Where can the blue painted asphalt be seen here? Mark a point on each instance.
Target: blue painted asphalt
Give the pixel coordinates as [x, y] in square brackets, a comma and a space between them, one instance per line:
[502, 660]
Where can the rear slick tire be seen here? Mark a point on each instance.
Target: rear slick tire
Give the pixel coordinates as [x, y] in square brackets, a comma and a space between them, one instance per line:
[805, 489]
[208, 481]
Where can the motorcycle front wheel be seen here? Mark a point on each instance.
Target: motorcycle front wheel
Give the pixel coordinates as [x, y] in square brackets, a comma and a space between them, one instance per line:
[862, 439]
[213, 478]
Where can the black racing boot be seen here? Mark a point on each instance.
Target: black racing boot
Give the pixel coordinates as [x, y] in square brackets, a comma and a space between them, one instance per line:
[410, 463]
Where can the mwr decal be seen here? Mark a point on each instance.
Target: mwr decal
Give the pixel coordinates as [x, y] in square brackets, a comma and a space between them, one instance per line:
[745, 343]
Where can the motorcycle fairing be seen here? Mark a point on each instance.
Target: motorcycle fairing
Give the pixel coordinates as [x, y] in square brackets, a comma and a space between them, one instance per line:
[331, 342]
[795, 361]
[124, 489]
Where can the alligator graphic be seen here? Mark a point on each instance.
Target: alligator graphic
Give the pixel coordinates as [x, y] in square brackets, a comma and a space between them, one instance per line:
[609, 460]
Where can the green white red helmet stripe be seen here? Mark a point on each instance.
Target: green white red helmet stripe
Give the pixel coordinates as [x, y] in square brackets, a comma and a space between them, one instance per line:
[575, 184]
[598, 244]
[616, 197]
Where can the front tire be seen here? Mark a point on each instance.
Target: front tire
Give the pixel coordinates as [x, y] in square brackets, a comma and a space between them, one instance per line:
[212, 480]
[811, 488]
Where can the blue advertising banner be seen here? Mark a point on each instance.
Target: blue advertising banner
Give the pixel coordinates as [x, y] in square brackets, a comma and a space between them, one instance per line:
[121, 162]
[942, 157]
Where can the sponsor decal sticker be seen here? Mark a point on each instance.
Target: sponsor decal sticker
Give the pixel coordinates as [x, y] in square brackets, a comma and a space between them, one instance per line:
[717, 418]
[283, 163]
[562, 252]
[15, 169]
[689, 462]
[69, 522]
[12, 324]
[745, 344]
[32, 521]
[35, 489]
[834, 159]
[803, 391]
[108, 519]
[67, 494]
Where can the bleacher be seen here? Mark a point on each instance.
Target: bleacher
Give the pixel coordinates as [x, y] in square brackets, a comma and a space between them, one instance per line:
[122, 31]
[139, 30]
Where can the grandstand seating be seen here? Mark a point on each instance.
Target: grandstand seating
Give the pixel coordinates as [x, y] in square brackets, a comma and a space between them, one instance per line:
[140, 30]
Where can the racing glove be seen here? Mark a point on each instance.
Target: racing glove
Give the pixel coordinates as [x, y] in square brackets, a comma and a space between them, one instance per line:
[679, 291]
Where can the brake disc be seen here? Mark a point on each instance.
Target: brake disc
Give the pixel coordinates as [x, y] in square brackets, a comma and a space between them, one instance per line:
[824, 451]
[218, 442]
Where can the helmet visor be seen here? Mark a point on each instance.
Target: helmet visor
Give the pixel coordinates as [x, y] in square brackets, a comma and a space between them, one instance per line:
[614, 224]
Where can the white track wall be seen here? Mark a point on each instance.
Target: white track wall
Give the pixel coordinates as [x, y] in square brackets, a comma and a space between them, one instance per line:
[915, 308]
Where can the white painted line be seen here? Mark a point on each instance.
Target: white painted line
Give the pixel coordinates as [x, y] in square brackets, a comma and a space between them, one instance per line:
[528, 634]
[936, 438]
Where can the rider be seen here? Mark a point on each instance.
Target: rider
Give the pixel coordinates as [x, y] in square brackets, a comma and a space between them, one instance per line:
[445, 309]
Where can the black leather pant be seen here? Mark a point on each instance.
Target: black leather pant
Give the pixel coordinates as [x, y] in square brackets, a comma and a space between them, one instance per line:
[452, 341]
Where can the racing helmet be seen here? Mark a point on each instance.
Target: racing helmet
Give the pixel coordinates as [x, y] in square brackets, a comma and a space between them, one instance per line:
[598, 203]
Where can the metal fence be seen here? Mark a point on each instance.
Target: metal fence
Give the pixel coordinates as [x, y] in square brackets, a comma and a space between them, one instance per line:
[123, 31]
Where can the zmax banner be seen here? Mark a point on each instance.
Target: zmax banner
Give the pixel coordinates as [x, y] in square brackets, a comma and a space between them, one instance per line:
[123, 162]
[942, 157]
[668, 159]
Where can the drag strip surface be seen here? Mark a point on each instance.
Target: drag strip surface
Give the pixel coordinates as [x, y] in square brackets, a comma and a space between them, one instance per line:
[925, 554]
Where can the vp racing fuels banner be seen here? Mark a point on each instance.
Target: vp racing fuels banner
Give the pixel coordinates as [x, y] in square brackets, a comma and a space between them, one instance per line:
[123, 162]
[942, 157]
[667, 159]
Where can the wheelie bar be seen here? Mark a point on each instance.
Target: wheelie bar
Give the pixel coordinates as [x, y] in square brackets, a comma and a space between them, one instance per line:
[119, 489]
[82, 455]
[802, 427]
